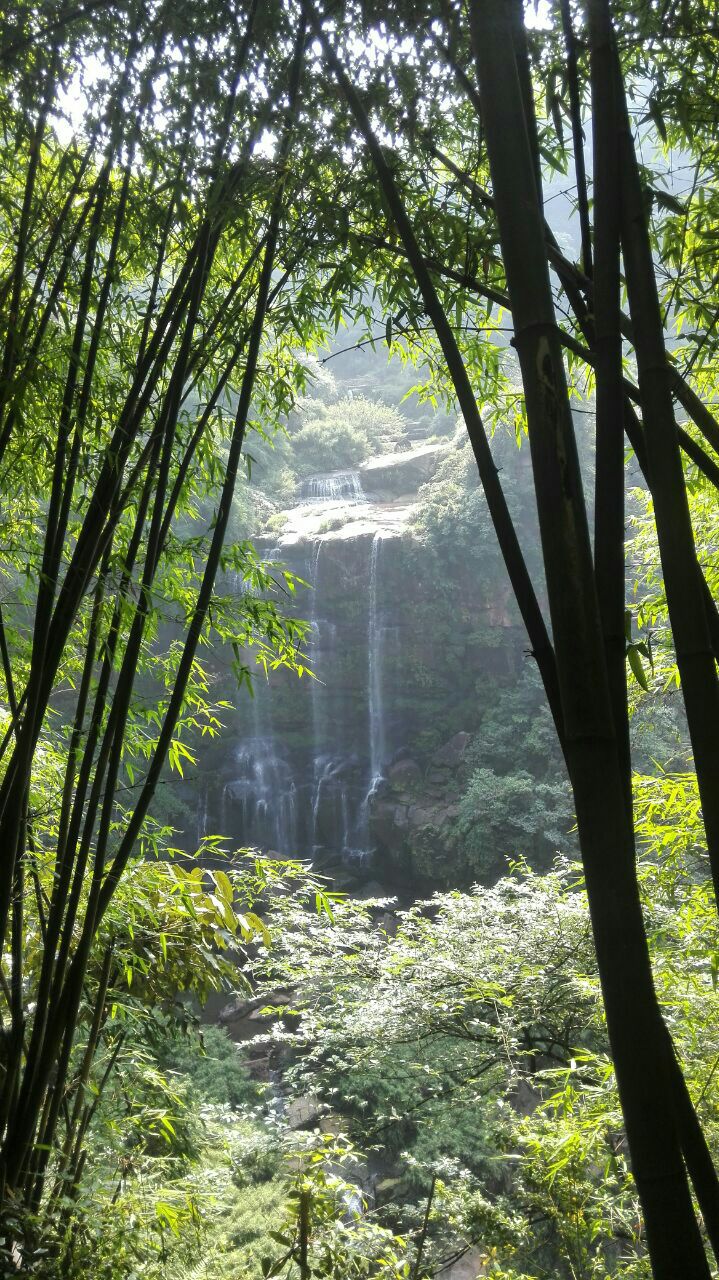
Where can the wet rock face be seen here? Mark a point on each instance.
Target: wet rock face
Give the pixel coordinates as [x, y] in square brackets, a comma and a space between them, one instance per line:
[417, 809]
[404, 775]
[304, 1112]
[473, 1264]
[450, 755]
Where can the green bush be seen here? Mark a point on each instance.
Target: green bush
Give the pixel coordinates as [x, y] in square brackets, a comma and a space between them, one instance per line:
[344, 433]
[517, 731]
[509, 816]
[213, 1065]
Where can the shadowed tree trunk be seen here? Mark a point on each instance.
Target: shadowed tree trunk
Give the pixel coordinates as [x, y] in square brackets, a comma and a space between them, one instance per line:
[593, 749]
[684, 592]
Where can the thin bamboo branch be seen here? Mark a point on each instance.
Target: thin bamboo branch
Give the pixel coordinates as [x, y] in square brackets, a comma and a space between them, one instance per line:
[575, 107]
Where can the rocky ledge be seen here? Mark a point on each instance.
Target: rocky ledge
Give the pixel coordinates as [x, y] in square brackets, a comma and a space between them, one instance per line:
[390, 475]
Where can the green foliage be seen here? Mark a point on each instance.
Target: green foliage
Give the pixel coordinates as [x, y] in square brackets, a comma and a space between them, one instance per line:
[326, 432]
[328, 1225]
[464, 1039]
[135, 1117]
[344, 433]
[452, 515]
[103, 224]
[418, 1036]
[512, 815]
[213, 1066]
[516, 729]
[460, 1043]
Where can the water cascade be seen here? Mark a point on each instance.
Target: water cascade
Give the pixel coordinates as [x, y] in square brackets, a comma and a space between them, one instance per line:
[360, 758]
[320, 761]
[263, 796]
[298, 793]
[316, 645]
[311, 753]
[202, 812]
[375, 635]
[336, 486]
[259, 799]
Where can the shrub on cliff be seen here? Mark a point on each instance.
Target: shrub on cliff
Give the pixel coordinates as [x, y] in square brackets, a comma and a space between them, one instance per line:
[344, 434]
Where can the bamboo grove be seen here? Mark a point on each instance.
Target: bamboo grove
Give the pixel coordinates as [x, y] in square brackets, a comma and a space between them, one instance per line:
[191, 200]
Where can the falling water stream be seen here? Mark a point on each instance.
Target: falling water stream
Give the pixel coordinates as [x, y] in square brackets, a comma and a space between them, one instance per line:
[336, 486]
[375, 633]
[298, 797]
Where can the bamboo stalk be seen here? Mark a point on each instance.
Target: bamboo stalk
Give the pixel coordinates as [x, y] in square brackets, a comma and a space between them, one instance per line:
[603, 822]
[609, 559]
[64, 1012]
[303, 1228]
[684, 592]
[47, 1135]
[515, 24]
[578, 285]
[575, 107]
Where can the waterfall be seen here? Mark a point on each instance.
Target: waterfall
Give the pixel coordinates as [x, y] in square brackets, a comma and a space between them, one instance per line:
[202, 812]
[317, 707]
[322, 770]
[264, 796]
[332, 795]
[260, 799]
[311, 755]
[336, 486]
[375, 646]
[315, 643]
